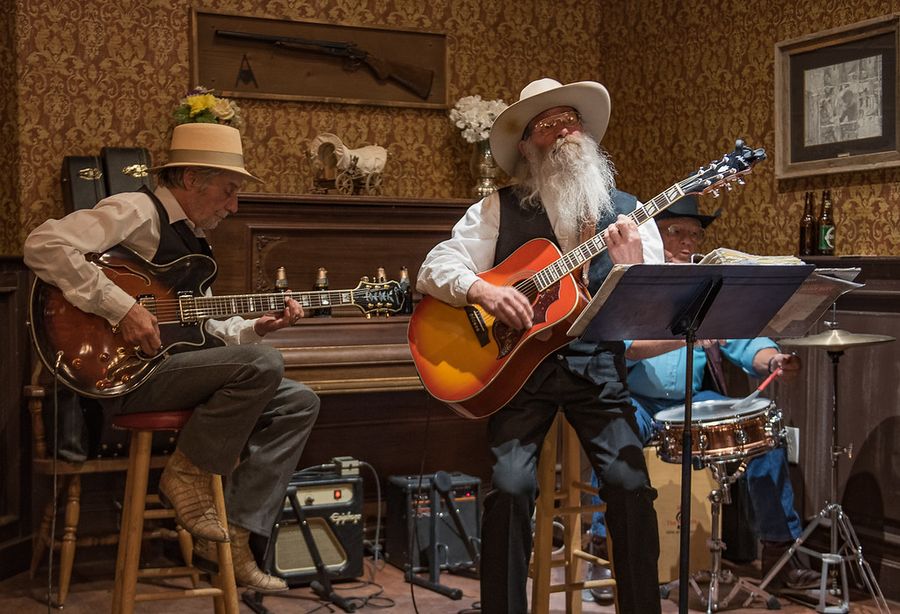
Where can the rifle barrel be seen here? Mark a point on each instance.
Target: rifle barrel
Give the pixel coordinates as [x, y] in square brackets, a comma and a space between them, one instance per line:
[294, 40]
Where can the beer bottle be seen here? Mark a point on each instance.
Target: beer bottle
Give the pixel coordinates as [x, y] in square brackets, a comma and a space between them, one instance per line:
[406, 290]
[808, 237]
[322, 285]
[826, 226]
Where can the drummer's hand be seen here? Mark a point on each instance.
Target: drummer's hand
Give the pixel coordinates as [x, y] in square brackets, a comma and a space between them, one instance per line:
[789, 363]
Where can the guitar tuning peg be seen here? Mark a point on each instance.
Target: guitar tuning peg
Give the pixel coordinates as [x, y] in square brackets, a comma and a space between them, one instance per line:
[715, 193]
[729, 187]
[740, 181]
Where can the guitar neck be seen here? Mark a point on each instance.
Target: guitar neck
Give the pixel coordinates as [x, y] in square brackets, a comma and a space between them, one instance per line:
[596, 245]
[250, 305]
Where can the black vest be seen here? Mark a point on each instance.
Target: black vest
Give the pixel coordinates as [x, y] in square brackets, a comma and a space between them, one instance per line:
[519, 225]
[176, 239]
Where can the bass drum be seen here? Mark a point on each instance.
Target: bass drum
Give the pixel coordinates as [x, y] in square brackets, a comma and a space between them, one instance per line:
[719, 434]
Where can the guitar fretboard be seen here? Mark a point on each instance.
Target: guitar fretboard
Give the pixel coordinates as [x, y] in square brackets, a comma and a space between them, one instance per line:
[596, 245]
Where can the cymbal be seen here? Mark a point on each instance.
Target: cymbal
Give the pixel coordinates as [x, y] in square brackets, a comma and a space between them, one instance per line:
[835, 340]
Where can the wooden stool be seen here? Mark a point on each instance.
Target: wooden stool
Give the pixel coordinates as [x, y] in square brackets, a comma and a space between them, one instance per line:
[562, 503]
[134, 512]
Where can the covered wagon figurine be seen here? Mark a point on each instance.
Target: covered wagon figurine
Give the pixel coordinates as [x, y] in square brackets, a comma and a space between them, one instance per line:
[349, 171]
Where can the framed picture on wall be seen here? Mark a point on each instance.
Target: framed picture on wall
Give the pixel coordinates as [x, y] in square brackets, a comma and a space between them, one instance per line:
[836, 98]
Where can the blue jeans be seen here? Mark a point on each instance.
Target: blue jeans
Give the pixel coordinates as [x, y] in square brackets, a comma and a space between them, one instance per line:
[768, 481]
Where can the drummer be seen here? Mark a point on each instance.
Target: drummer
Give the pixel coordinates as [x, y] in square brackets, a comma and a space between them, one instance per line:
[656, 379]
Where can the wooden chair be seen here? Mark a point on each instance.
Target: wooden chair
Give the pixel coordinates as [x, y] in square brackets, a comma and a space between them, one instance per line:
[69, 482]
[125, 595]
[560, 501]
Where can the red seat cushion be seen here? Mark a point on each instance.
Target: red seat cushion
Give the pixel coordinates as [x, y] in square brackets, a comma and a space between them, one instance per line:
[152, 420]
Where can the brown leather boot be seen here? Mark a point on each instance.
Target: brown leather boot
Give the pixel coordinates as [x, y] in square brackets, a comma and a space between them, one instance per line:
[246, 572]
[188, 490]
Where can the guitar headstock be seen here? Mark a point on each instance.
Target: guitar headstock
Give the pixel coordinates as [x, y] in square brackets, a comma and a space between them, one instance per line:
[379, 297]
[729, 168]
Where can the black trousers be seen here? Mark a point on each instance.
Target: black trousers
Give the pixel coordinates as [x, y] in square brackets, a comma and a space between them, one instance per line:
[604, 420]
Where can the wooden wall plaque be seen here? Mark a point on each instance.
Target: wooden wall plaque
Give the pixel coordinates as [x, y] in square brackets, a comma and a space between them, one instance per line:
[252, 57]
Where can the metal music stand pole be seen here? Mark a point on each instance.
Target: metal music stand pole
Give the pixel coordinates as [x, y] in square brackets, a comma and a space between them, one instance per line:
[686, 323]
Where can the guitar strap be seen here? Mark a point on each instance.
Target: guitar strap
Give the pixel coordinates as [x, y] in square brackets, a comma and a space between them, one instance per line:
[587, 231]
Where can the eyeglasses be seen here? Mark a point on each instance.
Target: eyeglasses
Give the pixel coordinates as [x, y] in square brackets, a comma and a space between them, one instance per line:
[566, 119]
[684, 232]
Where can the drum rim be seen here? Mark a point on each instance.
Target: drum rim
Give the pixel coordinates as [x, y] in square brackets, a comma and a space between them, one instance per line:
[756, 407]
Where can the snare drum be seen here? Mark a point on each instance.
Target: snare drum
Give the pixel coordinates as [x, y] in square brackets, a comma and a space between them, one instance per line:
[717, 433]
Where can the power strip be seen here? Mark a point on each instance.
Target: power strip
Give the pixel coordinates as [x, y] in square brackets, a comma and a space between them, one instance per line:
[792, 440]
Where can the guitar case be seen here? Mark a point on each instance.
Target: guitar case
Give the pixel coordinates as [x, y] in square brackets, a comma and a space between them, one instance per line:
[125, 169]
[82, 182]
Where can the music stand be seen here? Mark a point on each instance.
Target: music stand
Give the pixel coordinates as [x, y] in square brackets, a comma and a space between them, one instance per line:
[668, 301]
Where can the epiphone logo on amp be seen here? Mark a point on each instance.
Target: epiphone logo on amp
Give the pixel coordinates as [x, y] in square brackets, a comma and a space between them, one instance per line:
[339, 518]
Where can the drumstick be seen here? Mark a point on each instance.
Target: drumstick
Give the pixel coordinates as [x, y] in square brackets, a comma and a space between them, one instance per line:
[749, 399]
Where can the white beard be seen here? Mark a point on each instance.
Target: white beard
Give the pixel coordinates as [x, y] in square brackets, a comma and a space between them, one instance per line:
[574, 181]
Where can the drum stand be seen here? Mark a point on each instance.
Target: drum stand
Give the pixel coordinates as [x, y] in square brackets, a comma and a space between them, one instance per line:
[844, 543]
[717, 497]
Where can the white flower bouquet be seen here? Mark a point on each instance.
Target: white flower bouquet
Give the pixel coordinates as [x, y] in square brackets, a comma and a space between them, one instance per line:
[475, 116]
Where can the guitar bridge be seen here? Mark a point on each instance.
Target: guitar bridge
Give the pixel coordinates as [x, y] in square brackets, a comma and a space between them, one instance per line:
[479, 327]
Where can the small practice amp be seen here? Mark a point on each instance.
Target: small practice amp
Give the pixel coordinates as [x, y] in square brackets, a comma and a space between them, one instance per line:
[409, 510]
[332, 505]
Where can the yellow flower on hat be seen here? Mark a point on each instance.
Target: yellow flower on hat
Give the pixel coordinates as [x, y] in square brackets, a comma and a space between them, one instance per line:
[201, 103]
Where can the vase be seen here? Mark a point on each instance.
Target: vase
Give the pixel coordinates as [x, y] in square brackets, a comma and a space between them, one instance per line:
[484, 169]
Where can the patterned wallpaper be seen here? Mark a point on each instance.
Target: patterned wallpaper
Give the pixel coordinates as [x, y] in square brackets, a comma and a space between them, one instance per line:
[701, 74]
[94, 73]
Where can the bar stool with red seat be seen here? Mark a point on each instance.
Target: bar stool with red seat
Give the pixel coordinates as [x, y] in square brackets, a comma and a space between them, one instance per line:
[125, 595]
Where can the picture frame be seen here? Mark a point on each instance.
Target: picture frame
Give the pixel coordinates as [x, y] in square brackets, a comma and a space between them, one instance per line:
[836, 95]
[240, 56]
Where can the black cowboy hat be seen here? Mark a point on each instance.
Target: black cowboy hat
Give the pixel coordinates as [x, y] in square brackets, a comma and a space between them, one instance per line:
[687, 207]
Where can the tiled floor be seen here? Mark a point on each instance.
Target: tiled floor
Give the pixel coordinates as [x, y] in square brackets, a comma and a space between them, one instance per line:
[383, 589]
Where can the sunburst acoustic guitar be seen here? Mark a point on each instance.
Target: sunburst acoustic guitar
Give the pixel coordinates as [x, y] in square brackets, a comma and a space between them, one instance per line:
[475, 364]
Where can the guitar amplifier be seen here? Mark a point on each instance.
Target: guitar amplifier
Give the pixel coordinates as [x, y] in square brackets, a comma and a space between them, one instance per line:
[332, 505]
[409, 515]
[125, 169]
[82, 182]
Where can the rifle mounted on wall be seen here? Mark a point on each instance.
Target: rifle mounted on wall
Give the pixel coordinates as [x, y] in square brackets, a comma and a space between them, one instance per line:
[415, 79]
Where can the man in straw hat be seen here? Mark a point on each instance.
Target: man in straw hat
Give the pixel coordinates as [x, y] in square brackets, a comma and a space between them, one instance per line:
[656, 379]
[549, 141]
[248, 421]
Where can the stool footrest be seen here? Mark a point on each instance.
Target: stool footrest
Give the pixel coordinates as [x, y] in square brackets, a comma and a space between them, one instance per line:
[183, 594]
[167, 572]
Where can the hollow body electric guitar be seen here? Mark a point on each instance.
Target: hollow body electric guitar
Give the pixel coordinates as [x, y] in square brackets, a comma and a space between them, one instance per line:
[93, 357]
[475, 364]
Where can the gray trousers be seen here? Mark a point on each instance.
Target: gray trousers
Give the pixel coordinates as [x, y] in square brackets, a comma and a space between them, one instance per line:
[249, 422]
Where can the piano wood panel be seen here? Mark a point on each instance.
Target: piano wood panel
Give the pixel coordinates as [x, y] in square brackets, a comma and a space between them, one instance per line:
[373, 405]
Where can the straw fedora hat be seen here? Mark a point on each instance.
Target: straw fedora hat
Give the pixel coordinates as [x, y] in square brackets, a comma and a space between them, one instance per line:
[687, 207]
[207, 145]
[589, 98]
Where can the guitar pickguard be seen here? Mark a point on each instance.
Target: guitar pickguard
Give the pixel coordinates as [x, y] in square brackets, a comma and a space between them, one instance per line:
[507, 338]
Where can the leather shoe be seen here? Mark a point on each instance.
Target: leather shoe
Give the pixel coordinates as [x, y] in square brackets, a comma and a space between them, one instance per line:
[246, 572]
[187, 489]
[792, 575]
[600, 594]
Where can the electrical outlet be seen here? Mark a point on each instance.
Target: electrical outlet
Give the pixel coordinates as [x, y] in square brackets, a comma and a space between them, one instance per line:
[792, 437]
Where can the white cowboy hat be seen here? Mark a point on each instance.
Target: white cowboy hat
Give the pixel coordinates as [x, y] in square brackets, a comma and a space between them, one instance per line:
[208, 145]
[589, 98]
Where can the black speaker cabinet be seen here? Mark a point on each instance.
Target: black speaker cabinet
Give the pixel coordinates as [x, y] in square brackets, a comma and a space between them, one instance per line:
[409, 509]
[332, 505]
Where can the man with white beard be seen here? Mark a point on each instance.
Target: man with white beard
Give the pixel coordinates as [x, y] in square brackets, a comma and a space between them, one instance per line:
[566, 193]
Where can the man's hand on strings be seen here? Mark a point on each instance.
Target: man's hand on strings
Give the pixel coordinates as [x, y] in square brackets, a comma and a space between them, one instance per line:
[503, 302]
[624, 241]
